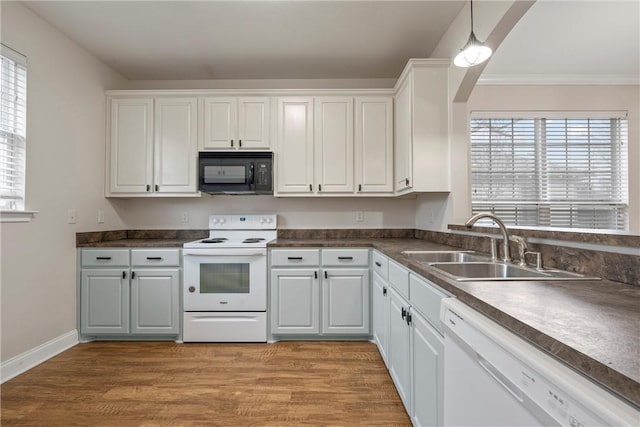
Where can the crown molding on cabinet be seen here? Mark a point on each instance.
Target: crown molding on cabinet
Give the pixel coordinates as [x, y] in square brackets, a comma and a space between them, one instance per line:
[250, 92]
[419, 63]
[559, 79]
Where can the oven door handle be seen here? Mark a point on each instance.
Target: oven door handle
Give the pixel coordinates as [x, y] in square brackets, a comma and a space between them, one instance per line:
[224, 252]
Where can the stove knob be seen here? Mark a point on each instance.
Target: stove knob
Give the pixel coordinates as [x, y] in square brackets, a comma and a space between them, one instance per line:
[192, 289]
[216, 220]
[262, 220]
[269, 220]
[222, 220]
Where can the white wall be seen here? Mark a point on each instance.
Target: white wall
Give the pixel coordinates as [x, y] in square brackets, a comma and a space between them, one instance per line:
[457, 206]
[292, 212]
[65, 163]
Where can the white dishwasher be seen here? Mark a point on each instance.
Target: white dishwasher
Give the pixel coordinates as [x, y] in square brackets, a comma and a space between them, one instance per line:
[494, 378]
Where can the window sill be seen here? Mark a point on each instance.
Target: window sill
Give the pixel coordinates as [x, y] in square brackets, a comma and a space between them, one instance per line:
[17, 216]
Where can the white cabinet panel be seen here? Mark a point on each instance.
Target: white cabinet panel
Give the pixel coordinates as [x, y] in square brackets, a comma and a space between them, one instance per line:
[399, 347]
[104, 306]
[220, 118]
[345, 301]
[381, 316]
[295, 301]
[374, 144]
[334, 144]
[176, 142]
[131, 145]
[403, 156]
[155, 301]
[253, 122]
[427, 373]
[294, 157]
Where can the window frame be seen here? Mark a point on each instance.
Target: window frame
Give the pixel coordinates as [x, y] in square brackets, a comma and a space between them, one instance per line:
[616, 203]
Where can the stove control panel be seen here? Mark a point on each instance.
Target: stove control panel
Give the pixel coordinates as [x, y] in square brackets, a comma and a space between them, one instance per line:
[243, 222]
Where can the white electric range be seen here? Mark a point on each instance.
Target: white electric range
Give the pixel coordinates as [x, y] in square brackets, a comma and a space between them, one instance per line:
[225, 280]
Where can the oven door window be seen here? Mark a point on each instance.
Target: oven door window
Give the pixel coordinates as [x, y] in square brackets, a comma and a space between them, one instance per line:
[225, 174]
[224, 278]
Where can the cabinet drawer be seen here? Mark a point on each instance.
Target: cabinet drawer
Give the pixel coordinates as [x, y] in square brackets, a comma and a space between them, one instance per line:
[155, 257]
[105, 257]
[426, 298]
[345, 257]
[399, 278]
[381, 265]
[295, 257]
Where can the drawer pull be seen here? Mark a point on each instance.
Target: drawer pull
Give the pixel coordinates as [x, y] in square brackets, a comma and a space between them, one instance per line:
[378, 264]
[296, 258]
[103, 257]
[154, 258]
[326, 276]
[345, 258]
[315, 274]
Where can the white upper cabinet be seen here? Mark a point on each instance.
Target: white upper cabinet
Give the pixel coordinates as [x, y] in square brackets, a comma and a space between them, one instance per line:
[175, 145]
[374, 144]
[422, 127]
[294, 156]
[334, 144]
[152, 146]
[131, 145]
[235, 123]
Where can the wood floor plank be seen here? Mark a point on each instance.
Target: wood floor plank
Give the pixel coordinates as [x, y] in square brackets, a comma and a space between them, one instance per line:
[162, 383]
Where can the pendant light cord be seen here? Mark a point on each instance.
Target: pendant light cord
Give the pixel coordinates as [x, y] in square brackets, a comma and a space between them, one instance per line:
[471, 15]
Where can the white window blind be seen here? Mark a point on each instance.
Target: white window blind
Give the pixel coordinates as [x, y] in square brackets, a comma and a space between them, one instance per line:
[551, 172]
[13, 129]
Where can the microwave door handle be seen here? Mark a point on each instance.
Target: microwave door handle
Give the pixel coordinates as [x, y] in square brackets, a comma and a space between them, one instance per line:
[251, 175]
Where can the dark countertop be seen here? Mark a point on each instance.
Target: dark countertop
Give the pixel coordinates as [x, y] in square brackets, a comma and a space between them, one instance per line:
[136, 243]
[593, 325]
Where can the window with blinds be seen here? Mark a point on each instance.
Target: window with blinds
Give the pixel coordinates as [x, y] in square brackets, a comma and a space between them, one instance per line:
[551, 171]
[13, 129]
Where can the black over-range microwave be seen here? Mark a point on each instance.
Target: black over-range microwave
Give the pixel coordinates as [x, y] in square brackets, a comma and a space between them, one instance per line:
[225, 172]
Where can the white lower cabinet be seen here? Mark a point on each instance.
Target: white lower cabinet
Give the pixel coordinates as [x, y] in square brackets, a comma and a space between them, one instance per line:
[345, 301]
[380, 316]
[311, 296]
[400, 346]
[427, 367]
[408, 334]
[295, 301]
[155, 301]
[123, 298]
[104, 303]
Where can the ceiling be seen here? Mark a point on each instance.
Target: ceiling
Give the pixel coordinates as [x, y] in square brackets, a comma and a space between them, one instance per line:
[253, 39]
[579, 41]
[191, 40]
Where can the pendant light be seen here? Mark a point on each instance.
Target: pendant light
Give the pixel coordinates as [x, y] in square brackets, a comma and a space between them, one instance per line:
[474, 52]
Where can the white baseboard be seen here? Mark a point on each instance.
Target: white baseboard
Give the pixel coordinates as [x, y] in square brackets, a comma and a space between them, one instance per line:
[27, 360]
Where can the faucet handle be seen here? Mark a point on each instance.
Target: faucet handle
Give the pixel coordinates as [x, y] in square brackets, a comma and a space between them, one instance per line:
[522, 248]
[538, 259]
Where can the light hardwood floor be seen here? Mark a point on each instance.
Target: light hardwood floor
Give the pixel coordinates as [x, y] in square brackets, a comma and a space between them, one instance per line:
[153, 383]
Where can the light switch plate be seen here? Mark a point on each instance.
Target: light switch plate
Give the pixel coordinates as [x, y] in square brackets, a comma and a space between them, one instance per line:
[100, 217]
[71, 216]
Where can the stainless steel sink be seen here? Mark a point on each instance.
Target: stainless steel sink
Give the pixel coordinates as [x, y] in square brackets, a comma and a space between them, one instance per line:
[468, 271]
[444, 256]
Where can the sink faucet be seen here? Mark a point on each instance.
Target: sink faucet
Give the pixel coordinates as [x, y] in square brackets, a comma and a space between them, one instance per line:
[506, 255]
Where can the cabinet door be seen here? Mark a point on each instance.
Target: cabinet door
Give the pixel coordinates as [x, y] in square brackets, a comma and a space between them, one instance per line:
[374, 145]
[176, 145]
[294, 156]
[427, 373]
[104, 306]
[131, 145]
[333, 141]
[381, 316]
[220, 123]
[155, 301]
[295, 302]
[345, 301]
[404, 137]
[253, 122]
[399, 347]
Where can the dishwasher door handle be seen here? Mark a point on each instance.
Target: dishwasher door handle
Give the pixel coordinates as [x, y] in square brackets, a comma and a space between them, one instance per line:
[500, 378]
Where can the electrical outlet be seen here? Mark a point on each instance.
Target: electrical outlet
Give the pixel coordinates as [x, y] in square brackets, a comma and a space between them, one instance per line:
[100, 217]
[185, 217]
[359, 216]
[71, 216]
